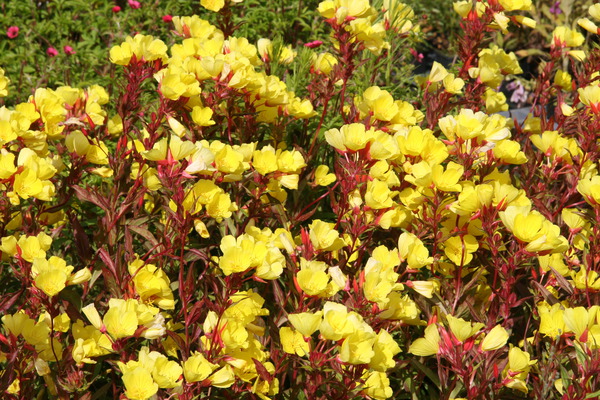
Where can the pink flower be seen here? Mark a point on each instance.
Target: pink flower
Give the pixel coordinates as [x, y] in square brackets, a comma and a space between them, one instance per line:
[68, 50]
[167, 18]
[313, 44]
[134, 4]
[12, 32]
[52, 52]
[116, 9]
[418, 56]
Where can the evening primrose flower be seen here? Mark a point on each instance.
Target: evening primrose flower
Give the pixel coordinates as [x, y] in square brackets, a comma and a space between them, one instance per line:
[427, 345]
[172, 148]
[216, 5]
[494, 339]
[515, 5]
[552, 323]
[385, 348]
[461, 329]
[352, 137]
[323, 236]
[589, 188]
[121, 319]
[139, 384]
[143, 47]
[197, 368]
[412, 249]
[293, 342]
[460, 249]
[306, 323]
[323, 63]
[53, 275]
[323, 177]
[336, 324]
[590, 96]
[579, 320]
[312, 277]
[3, 84]
[517, 369]
[564, 36]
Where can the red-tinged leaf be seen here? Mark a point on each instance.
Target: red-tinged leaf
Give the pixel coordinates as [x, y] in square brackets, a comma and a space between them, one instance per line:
[87, 195]
[278, 293]
[128, 240]
[262, 371]
[86, 396]
[549, 297]
[145, 233]
[195, 312]
[177, 339]
[108, 261]
[102, 392]
[563, 283]
[9, 300]
[82, 242]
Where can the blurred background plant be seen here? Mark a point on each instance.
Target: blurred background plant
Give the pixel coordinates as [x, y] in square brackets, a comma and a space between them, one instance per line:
[66, 42]
[439, 23]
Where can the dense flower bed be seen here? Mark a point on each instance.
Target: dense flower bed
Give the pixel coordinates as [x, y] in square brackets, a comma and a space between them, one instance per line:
[206, 232]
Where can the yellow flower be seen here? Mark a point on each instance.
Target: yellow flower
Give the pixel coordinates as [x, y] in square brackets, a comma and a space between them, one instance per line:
[514, 5]
[293, 342]
[589, 189]
[139, 384]
[121, 319]
[427, 345]
[173, 147]
[566, 37]
[357, 348]
[323, 63]
[378, 195]
[335, 324]
[377, 385]
[588, 25]
[412, 249]
[264, 160]
[3, 84]
[223, 378]
[579, 319]
[312, 277]
[447, 180]
[516, 370]
[351, 137]
[460, 249]
[384, 348]
[494, 339]
[213, 5]
[197, 368]
[590, 96]
[323, 236]
[306, 323]
[551, 320]
[461, 329]
[323, 177]
[152, 284]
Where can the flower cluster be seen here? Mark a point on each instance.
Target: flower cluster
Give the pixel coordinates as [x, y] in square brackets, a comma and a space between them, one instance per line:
[205, 232]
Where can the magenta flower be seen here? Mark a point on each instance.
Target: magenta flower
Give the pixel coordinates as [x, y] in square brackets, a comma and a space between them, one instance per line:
[52, 52]
[12, 32]
[167, 18]
[555, 9]
[418, 56]
[116, 9]
[68, 50]
[134, 4]
[313, 44]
